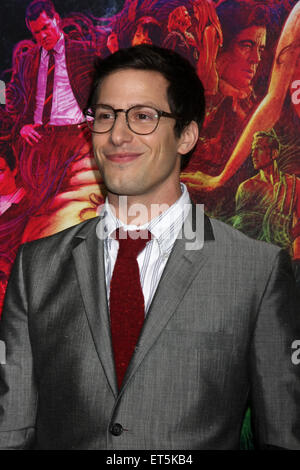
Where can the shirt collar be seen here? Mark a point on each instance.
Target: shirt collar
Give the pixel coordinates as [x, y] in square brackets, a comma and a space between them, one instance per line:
[164, 227]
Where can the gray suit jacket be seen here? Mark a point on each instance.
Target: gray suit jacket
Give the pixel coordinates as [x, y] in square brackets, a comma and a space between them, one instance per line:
[218, 336]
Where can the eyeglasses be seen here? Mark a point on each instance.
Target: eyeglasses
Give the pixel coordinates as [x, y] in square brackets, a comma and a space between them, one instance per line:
[140, 119]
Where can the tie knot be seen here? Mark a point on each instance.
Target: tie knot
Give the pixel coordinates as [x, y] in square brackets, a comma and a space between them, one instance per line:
[132, 242]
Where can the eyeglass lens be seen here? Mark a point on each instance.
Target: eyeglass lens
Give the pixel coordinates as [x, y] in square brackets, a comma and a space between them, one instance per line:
[140, 119]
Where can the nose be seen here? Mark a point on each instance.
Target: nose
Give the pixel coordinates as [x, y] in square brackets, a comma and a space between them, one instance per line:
[255, 55]
[120, 132]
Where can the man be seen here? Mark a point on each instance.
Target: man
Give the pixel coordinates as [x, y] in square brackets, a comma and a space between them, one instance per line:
[13, 203]
[237, 63]
[179, 38]
[244, 29]
[46, 96]
[268, 204]
[112, 42]
[13, 214]
[9, 193]
[83, 370]
[244, 40]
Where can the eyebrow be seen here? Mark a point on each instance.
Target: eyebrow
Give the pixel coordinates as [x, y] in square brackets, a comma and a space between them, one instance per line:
[148, 103]
[253, 43]
[39, 30]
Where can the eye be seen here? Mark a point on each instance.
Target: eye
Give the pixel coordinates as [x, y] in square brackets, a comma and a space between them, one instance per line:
[245, 45]
[104, 115]
[143, 114]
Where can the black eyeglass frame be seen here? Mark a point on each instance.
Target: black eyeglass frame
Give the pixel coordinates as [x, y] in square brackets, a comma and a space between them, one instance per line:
[160, 113]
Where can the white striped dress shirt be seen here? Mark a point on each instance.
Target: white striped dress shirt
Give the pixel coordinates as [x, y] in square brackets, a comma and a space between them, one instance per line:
[152, 260]
[65, 109]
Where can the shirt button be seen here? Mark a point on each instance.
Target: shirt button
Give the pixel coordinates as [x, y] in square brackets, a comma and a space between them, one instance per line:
[116, 429]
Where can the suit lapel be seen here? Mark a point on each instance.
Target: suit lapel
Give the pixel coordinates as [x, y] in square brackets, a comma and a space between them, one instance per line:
[89, 261]
[182, 267]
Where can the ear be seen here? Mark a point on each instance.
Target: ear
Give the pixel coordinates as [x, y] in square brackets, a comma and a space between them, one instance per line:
[188, 138]
[275, 154]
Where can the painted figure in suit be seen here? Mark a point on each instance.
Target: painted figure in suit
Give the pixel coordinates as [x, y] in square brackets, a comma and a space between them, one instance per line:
[219, 313]
[53, 149]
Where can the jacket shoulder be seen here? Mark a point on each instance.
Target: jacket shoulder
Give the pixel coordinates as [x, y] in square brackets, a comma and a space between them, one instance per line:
[30, 55]
[229, 237]
[61, 241]
[84, 46]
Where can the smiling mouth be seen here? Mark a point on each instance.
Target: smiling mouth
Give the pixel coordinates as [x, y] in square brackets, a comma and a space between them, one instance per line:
[122, 157]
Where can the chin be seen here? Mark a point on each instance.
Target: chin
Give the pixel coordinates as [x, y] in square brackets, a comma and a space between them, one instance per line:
[121, 189]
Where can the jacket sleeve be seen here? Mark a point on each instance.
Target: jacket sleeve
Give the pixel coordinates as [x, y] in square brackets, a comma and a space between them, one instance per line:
[15, 92]
[18, 394]
[274, 372]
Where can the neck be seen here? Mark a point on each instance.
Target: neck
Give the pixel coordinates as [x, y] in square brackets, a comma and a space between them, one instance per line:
[270, 173]
[141, 209]
[228, 89]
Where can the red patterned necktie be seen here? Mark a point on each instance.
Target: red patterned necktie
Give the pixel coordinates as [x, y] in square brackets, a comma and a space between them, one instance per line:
[49, 89]
[127, 307]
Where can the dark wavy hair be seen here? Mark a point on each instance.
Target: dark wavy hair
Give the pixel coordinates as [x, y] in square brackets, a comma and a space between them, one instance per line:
[185, 91]
[273, 140]
[37, 7]
[235, 16]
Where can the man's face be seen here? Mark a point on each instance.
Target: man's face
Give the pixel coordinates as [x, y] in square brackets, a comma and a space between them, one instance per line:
[7, 178]
[131, 164]
[112, 43]
[141, 36]
[243, 56]
[45, 30]
[183, 19]
[262, 153]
